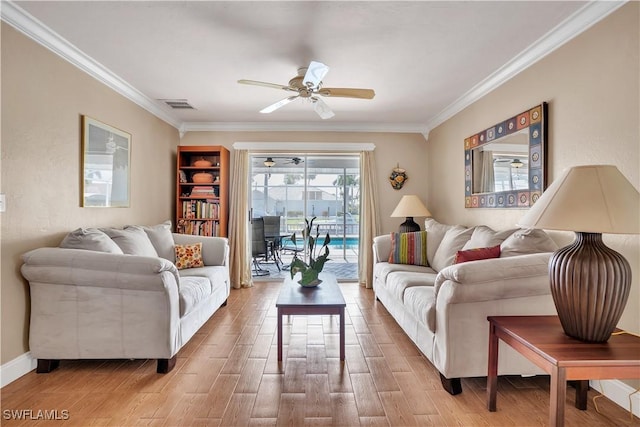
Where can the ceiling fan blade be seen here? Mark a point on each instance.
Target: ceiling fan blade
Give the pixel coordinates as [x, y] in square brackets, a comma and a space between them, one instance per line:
[265, 84]
[347, 93]
[323, 110]
[315, 73]
[273, 107]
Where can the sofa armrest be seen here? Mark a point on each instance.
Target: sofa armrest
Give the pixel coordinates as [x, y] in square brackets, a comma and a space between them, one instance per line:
[381, 248]
[215, 250]
[98, 269]
[494, 279]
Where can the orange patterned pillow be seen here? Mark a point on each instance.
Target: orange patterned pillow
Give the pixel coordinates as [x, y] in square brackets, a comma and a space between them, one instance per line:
[189, 256]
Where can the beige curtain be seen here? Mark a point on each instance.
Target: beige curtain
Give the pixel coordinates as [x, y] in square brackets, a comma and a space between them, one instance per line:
[369, 222]
[239, 240]
[483, 175]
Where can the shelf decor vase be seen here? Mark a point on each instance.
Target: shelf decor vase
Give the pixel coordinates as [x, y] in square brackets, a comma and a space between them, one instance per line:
[313, 260]
[202, 177]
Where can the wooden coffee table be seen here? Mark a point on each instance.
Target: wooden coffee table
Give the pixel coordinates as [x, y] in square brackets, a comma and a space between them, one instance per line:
[542, 340]
[325, 298]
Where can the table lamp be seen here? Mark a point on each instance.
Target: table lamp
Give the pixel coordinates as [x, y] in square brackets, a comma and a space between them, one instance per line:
[409, 207]
[589, 281]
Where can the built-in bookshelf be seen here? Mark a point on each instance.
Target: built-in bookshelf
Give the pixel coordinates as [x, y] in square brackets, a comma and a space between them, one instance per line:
[202, 190]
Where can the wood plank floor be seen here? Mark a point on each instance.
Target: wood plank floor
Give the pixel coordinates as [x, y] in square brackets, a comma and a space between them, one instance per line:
[228, 375]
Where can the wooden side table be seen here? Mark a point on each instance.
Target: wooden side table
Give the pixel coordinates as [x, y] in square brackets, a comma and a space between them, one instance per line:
[542, 340]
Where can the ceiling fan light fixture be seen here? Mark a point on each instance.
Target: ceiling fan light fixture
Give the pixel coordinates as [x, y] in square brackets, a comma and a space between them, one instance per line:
[516, 163]
[269, 162]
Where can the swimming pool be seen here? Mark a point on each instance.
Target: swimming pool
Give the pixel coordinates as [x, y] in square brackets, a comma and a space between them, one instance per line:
[339, 243]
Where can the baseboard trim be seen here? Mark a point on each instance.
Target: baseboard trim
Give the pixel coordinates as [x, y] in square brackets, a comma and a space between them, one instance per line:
[14, 369]
[615, 390]
[618, 392]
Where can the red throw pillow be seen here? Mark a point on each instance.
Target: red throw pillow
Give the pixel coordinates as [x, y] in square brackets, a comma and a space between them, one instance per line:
[477, 254]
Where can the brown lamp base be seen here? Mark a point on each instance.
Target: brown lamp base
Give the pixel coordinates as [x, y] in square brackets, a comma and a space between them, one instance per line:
[409, 226]
[590, 285]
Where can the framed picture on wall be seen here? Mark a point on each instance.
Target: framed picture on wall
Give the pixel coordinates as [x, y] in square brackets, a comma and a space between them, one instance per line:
[106, 159]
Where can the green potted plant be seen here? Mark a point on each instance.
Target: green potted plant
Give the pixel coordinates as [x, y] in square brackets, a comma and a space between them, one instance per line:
[313, 260]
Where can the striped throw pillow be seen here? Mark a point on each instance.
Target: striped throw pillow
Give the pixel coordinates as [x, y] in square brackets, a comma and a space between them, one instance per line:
[409, 248]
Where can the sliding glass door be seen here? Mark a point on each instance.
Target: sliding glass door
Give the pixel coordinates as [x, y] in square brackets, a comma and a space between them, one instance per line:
[326, 187]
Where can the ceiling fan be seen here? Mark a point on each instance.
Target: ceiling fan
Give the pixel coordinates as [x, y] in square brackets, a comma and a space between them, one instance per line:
[269, 162]
[308, 85]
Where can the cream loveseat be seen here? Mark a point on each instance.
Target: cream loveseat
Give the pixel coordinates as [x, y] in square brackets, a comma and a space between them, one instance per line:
[443, 307]
[117, 294]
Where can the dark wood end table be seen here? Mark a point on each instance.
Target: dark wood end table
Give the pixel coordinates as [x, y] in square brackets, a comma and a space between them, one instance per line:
[542, 340]
[325, 298]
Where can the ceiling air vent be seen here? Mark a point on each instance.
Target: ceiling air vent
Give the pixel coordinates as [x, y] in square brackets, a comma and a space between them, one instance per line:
[178, 104]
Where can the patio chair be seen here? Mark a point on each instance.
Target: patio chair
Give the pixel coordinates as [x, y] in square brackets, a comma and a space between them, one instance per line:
[258, 246]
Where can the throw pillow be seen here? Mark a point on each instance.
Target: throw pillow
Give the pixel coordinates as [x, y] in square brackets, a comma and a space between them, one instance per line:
[527, 241]
[409, 248]
[477, 254]
[90, 239]
[435, 234]
[132, 241]
[189, 256]
[485, 237]
[161, 238]
[453, 241]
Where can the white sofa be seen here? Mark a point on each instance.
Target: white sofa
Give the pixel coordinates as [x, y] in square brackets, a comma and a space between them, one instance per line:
[117, 294]
[443, 307]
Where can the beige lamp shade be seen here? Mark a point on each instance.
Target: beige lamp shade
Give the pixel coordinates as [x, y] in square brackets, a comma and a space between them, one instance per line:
[591, 199]
[410, 206]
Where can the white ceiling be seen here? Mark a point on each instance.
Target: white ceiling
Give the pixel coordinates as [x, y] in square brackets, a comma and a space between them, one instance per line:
[425, 60]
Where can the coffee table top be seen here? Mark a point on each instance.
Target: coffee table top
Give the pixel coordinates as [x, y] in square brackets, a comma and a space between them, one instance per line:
[327, 293]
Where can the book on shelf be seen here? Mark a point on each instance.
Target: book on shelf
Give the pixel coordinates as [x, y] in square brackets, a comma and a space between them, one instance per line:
[203, 191]
[199, 228]
[200, 209]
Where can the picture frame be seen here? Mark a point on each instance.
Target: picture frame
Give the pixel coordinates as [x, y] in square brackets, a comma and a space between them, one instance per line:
[106, 160]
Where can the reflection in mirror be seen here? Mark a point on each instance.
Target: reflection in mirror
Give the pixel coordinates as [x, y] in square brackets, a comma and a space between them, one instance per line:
[502, 165]
[505, 164]
[106, 154]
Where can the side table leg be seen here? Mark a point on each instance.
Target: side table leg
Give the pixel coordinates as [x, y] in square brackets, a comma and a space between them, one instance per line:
[279, 334]
[582, 387]
[342, 340]
[558, 391]
[492, 371]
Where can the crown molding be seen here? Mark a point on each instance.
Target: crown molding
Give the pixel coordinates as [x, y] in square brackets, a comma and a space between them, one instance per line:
[33, 28]
[303, 126]
[581, 20]
[335, 147]
[571, 27]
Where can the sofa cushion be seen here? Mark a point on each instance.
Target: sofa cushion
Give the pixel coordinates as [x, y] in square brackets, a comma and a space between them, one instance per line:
[477, 254]
[161, 238]
[189, 256]
[409, 248]
[453, 241]
[217, 275]
[193, 289]
[90, 239]
[132, 241]
[527, 241]
[485, 237]
[399, 281]
[421, 302]
[435, 234]
[382, 269]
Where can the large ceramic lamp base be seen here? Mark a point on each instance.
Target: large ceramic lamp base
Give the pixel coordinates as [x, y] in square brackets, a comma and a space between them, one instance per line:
[590, 285]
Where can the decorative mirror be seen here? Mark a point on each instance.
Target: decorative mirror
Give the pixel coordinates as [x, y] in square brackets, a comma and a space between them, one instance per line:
[106, 153]
[505, 164]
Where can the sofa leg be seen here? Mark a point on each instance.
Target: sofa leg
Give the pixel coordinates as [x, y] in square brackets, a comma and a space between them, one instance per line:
[453, 386]
[47, 365]
[224, 304]
[166, 365]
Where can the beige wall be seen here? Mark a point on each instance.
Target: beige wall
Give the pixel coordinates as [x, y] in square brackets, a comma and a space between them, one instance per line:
[592, 87]
[409, 150]
[43, 98]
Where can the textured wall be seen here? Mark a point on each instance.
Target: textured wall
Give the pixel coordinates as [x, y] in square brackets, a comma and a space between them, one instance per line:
[592, 86]
[43, 98]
